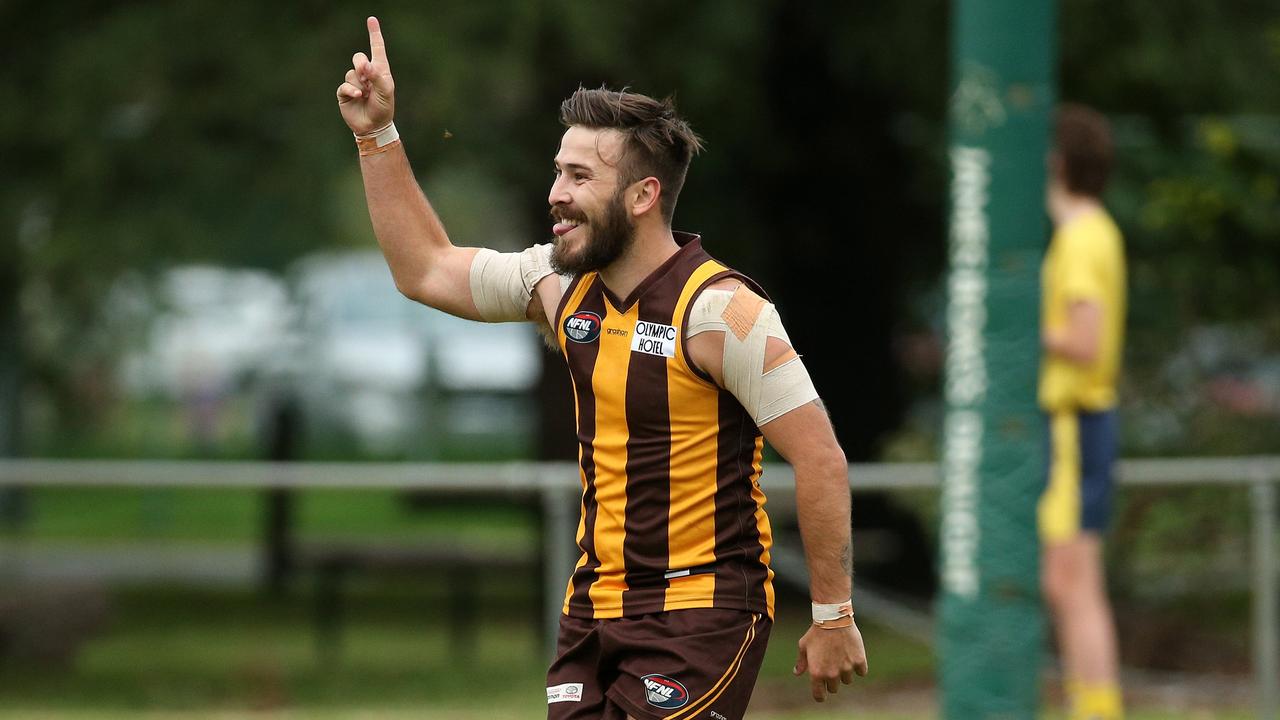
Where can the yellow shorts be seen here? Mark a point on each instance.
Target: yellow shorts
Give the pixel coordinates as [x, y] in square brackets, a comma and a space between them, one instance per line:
[1078, 477]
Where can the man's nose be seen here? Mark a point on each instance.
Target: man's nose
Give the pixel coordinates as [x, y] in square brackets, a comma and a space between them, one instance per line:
[559, 194]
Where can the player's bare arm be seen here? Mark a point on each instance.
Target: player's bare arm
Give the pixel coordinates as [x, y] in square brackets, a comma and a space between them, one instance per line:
[752, 357]
[804, 437]
[1081, 338]
[426, 266]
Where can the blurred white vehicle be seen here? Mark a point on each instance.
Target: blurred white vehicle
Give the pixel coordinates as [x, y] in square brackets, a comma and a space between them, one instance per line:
[368, 371]
[401, 378]
[206, 330]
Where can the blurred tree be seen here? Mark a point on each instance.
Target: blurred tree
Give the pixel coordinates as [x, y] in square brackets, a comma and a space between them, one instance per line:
[150, 133]
[1196, 192]
[1199, 165]
[165, 133]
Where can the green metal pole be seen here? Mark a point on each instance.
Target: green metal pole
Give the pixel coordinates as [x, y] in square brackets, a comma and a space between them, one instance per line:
[12, 500]
[992, 629]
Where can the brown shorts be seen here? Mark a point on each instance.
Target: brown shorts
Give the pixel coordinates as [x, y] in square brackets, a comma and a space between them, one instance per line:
[698, 663]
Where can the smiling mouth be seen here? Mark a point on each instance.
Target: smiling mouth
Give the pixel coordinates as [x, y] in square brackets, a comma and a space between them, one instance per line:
[565, 226]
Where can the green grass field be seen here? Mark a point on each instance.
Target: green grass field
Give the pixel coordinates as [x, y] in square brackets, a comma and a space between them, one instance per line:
[165, 652]
[186, 653]
[208, 653]
[234, 517]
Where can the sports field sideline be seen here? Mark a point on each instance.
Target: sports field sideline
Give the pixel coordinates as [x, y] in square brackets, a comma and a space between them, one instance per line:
[181, 654]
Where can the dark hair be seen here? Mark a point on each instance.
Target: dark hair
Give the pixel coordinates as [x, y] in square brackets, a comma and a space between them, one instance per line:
[656, 142]
[1082, 142]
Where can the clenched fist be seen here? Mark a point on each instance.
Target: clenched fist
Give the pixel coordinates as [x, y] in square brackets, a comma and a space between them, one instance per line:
[367, 97]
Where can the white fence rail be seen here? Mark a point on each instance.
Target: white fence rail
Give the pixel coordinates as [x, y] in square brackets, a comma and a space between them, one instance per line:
[557, 486]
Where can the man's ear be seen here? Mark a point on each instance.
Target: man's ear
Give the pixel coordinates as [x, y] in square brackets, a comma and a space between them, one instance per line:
[643, 195]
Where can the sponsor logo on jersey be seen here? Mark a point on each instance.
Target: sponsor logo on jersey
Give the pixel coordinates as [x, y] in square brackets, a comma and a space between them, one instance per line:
[654, 339]
[583, 326]
[661, 691]
[567, 692]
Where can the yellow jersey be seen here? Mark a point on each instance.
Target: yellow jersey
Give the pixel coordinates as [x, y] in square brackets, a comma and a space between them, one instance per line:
[1085, 262]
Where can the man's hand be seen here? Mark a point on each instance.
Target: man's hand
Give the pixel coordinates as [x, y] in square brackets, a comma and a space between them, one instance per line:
[1080, 340]
[830, 655]
[367, 99]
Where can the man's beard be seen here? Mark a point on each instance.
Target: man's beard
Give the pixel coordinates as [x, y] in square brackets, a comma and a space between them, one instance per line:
[611, 236]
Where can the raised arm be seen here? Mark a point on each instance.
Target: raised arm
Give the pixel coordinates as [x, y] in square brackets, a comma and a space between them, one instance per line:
[736, 337]
[426, 266]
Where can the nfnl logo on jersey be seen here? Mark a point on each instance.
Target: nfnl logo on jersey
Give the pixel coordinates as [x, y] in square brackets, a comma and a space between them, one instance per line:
[582, 326]
[661, 691]
[654, 339]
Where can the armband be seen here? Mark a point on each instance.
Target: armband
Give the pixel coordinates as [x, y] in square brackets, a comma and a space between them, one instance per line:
[502, 283]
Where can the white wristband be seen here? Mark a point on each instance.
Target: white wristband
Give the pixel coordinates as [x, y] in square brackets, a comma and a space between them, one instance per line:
[833, 611]
[378, 140]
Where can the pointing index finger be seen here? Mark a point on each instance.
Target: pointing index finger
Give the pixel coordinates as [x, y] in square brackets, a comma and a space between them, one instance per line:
[377, 47]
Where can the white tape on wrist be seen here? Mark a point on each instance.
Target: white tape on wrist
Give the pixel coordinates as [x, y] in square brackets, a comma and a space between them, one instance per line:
[378, 140]
[826, 612]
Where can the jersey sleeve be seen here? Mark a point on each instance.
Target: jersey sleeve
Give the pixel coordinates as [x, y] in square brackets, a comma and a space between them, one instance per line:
[1081, 268]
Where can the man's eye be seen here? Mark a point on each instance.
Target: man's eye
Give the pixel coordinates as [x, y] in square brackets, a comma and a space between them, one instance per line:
[579, 177]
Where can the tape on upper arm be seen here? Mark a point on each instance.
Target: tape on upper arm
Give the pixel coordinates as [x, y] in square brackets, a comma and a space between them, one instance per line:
[748, 321]
[502, 283]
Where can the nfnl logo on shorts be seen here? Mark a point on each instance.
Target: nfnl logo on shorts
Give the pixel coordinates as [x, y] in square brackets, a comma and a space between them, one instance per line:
[582, 327]
[654, 339]
[661, 691]
[568, 692]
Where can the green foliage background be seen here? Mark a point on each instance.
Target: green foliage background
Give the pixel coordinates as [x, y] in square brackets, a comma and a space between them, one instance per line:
[139, 135]
[144, 134]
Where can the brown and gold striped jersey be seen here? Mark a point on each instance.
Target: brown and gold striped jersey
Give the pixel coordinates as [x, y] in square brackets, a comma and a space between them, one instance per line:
[672, 512]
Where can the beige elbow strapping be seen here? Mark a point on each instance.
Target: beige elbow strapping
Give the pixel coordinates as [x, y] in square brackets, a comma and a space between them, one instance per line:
[748, 321]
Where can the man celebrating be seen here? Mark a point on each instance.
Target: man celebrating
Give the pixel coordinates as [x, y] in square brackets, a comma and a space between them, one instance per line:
[679, 366]
[1082, 324]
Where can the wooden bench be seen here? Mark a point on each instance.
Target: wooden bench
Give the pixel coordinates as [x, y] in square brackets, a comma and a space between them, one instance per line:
[462, 567]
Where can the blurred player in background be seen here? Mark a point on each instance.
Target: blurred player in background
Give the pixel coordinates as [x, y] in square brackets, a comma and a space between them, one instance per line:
[1082, 332]
[681, 368]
